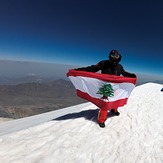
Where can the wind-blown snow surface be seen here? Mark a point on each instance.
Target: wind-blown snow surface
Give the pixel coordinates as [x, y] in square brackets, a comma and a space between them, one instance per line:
[73, 136]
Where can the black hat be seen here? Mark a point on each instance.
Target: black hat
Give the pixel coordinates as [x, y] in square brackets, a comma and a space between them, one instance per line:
[115, 56]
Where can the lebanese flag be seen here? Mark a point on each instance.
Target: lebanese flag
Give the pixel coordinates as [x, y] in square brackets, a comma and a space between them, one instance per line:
[103, 90]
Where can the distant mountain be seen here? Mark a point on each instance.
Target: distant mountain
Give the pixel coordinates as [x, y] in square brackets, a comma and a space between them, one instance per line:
[16, 72]
[26, 79]
[28, 99]
[146, 78]
[158, 81]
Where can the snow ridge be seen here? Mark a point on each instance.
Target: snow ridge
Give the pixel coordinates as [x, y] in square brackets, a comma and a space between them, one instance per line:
[73, 136]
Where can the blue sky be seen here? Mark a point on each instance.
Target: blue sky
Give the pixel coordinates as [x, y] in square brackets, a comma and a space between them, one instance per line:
[83, 32]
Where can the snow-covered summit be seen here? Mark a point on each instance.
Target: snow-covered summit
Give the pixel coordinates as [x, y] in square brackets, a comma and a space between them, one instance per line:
[71, 135]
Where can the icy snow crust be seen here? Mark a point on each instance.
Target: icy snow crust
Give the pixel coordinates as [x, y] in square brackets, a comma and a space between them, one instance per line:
[72, 135]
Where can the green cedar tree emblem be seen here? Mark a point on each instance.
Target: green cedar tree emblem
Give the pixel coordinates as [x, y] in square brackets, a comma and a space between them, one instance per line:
[106, 90]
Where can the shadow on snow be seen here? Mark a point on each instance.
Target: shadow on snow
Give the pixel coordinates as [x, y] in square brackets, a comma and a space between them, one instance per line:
[87, 114]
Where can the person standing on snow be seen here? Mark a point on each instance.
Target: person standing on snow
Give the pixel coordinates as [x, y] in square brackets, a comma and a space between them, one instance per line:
[112, 67]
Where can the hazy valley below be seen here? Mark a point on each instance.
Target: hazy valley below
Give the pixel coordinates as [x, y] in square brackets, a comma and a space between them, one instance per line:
[29, 99]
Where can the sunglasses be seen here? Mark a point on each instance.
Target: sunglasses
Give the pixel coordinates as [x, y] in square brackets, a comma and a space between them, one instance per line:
[115, 55]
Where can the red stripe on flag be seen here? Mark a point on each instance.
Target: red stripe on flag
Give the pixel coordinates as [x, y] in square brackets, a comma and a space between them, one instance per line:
[100, 103]
[104, 77]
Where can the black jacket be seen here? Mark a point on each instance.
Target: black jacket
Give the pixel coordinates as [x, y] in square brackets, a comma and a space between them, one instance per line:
[107, 67]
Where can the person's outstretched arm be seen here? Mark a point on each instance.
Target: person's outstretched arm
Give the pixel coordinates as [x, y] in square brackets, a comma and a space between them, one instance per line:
[92, 68]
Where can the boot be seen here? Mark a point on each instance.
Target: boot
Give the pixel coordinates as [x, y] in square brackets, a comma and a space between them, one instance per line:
[102, 125]
[115, 112]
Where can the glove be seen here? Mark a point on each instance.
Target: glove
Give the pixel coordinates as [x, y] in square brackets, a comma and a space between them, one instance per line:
[132, 75]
